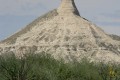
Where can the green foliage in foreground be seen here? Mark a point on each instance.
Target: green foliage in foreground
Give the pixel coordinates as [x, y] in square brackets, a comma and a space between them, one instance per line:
[44, 67]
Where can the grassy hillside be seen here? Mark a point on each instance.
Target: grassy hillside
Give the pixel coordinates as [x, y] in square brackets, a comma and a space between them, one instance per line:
[44, 67]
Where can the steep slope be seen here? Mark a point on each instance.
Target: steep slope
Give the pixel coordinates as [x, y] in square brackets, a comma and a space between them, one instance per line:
[12, 39]
[63, 33]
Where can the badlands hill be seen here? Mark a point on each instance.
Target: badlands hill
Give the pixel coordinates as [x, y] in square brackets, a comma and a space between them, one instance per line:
[63, 33]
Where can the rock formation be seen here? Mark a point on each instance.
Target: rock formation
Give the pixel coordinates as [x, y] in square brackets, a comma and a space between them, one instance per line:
[63, 33]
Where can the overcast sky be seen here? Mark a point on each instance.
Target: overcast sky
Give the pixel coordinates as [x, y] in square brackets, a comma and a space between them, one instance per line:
[15, 14]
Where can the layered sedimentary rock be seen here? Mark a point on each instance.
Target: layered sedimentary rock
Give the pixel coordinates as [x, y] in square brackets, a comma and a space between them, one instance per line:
[63, 33]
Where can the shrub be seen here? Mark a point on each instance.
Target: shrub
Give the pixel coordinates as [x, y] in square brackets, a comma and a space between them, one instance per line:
[44, 67]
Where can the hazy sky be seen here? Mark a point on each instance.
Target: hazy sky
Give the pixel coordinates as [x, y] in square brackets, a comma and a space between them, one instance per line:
[15, 14]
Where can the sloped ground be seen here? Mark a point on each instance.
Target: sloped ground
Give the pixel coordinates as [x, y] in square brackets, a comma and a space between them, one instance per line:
[12, 39]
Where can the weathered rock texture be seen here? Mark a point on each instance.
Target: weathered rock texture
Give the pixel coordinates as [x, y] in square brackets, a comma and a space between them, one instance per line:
[63, 33]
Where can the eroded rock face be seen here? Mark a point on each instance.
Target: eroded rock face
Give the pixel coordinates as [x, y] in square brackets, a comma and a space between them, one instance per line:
[68, 7]
[63, 33]
[1, 49]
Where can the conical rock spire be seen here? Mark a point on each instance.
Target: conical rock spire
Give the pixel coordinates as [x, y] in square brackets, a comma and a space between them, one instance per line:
[68, 7]
[64, 34]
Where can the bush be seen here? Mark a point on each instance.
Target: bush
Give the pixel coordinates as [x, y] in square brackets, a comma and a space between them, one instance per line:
[44, 67]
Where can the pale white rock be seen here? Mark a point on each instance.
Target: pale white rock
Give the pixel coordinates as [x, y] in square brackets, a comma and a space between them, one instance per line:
[63, 33]
[67, 7]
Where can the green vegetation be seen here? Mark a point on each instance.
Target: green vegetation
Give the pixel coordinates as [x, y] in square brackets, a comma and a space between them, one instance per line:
[44, 67]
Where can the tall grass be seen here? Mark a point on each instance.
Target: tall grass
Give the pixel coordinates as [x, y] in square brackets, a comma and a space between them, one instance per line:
[44, 67]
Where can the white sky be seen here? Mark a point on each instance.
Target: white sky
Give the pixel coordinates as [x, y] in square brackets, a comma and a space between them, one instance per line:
[15, 14]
